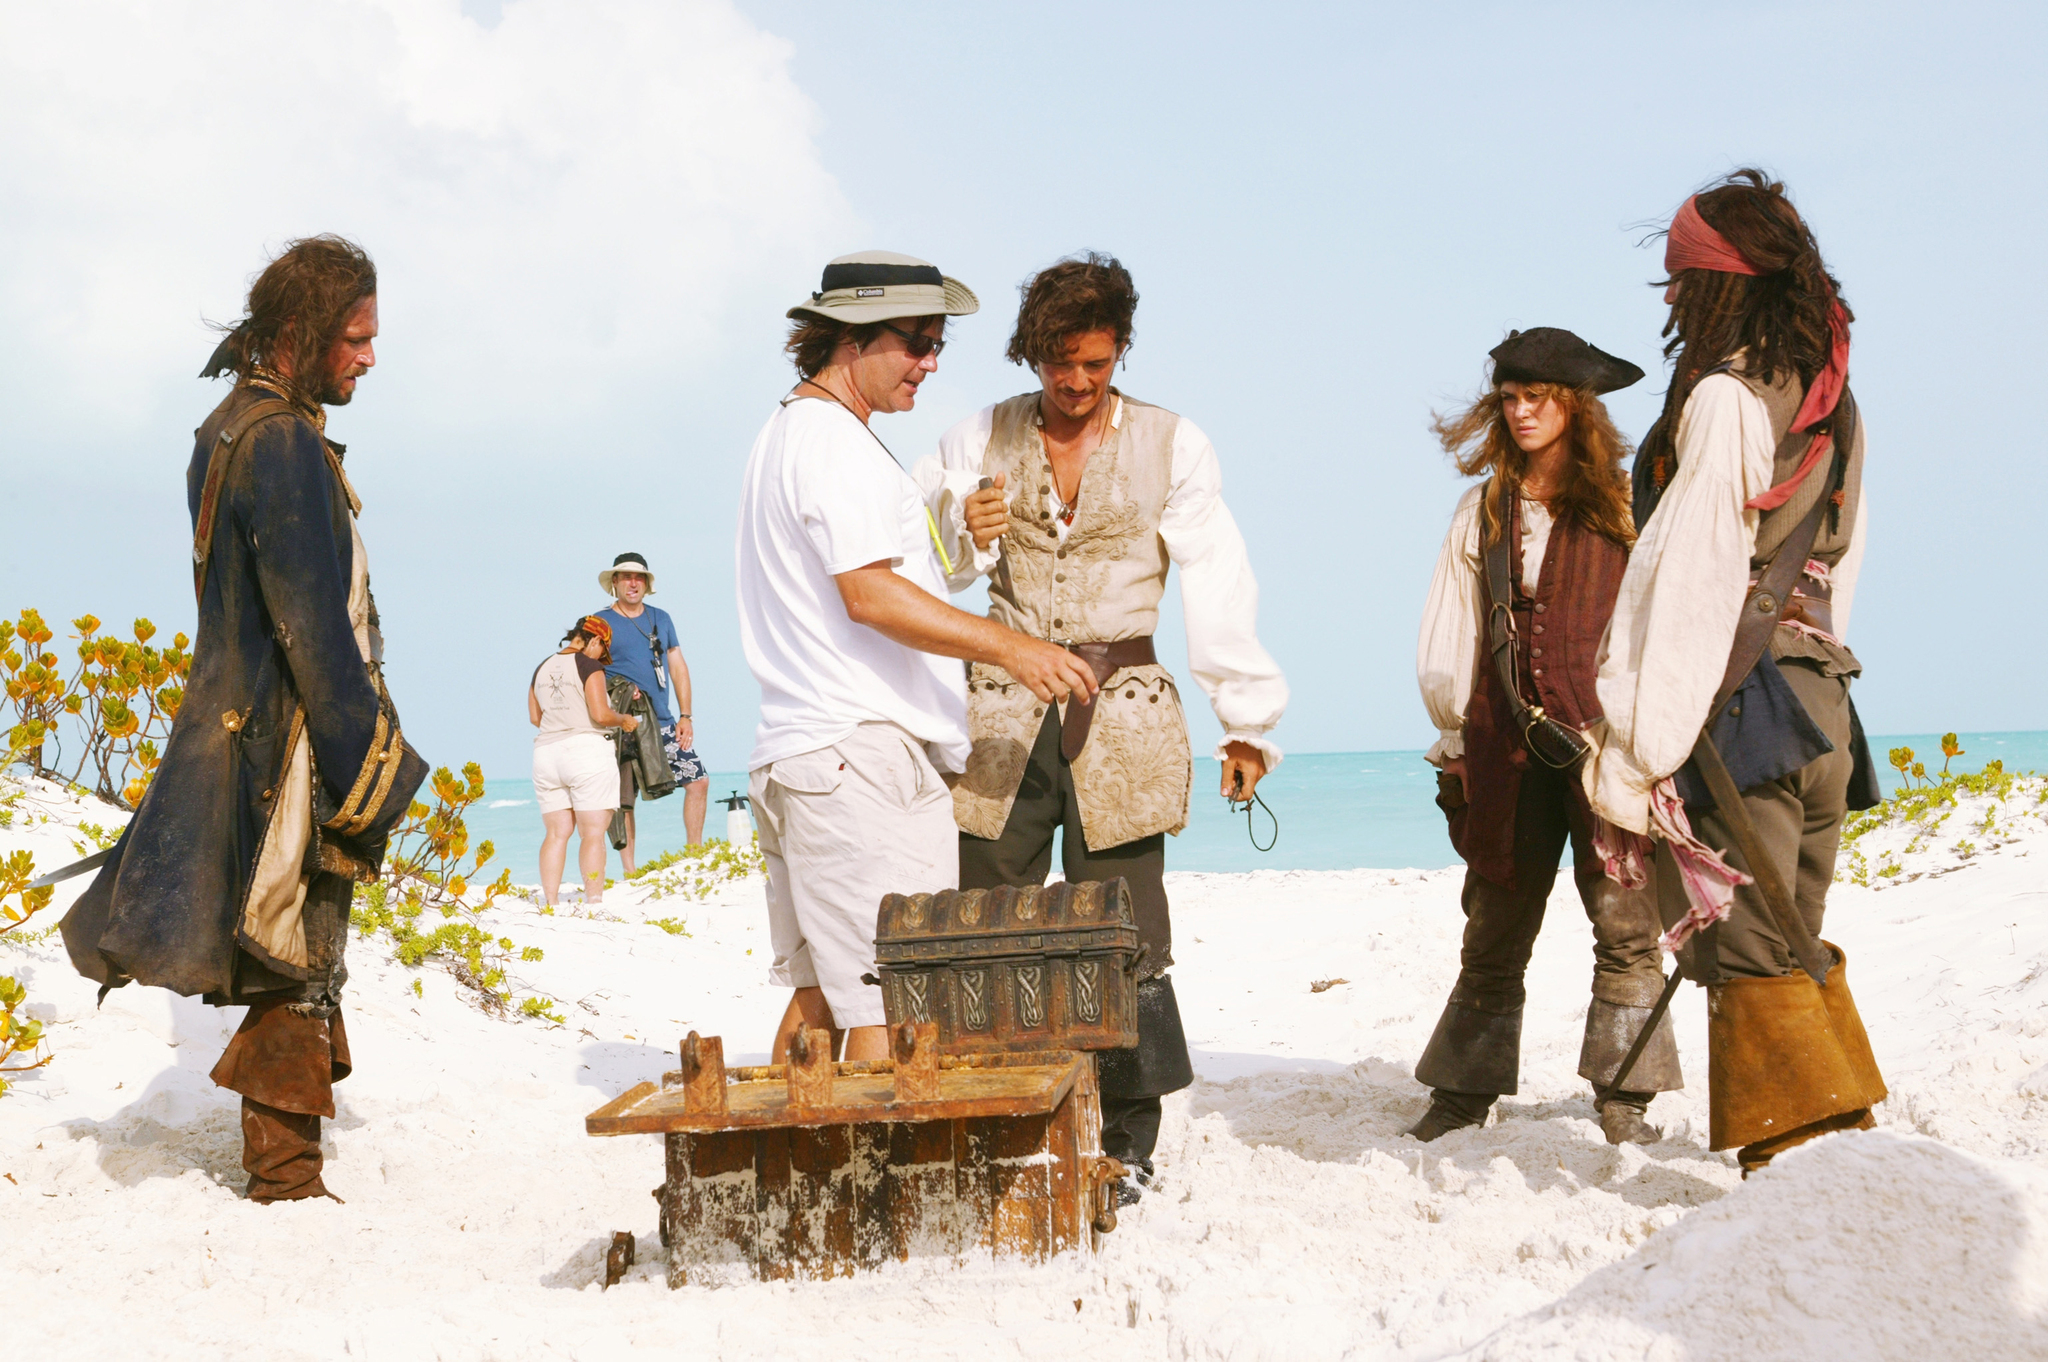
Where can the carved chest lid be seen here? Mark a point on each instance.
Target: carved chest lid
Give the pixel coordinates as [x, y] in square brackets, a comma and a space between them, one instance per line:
[980, 923]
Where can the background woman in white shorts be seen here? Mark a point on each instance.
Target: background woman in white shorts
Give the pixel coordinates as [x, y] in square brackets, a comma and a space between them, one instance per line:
[575, 769]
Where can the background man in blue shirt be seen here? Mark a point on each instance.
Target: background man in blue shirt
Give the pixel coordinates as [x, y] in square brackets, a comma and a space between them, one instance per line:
[646, 652]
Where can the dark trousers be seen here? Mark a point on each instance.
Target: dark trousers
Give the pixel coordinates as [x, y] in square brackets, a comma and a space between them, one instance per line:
[1501, 924]
[1132, 1080]
[1476, 1048]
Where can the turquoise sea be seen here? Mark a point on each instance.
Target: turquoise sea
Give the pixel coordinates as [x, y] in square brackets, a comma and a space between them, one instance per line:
[1337, 810]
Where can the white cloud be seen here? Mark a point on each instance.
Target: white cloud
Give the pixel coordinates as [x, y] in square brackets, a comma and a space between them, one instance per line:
[585, 187]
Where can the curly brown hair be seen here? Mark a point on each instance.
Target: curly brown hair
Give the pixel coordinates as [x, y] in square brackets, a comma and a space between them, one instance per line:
[1781, 316]
[1596, 490]
[297, 309]
[1088, 292]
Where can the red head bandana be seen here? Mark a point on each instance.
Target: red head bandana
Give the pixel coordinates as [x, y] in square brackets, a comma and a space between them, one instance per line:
[1692, 244]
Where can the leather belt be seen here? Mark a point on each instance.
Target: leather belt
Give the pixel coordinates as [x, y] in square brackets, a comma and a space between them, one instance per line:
[1105, 660]
[1811, 603]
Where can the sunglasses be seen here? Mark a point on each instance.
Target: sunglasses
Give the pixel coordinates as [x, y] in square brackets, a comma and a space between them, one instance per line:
[916, 343]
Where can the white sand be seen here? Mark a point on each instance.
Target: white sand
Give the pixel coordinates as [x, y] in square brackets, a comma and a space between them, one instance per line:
[1292, 1220]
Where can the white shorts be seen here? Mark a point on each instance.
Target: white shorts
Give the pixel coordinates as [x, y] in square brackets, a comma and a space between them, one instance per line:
[840, 828]
[579, 772]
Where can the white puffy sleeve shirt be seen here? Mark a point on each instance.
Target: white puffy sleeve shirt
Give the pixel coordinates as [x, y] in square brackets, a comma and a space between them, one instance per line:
[1454, 617]
[1674, 620]
[1219, 594]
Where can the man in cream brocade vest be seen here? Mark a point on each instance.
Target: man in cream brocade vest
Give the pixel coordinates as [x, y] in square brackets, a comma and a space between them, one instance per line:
[1102, 584]
[1094, 497]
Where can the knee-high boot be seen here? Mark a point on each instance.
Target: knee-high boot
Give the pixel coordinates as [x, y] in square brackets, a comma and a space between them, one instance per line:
[1134, 1080]
[1611, 1028]
[1787, 1060]
[284, 1061]
[1471, 1059]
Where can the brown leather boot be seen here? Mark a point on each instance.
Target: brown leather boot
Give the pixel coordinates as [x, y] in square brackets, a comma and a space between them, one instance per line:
[1779, 1071]
[1760, 1154]
[1449, 1111]
[1848, 1024]
[281, 1150]
[1611, 1028]
[1623, 1119]
[285, 1063]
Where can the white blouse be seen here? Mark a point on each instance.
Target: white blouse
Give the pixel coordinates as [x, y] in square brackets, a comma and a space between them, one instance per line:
[1219, 594]
[1674, 620]
[1454, 617]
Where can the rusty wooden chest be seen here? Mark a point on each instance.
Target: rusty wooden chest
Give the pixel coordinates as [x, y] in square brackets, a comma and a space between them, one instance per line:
[821, 1169]
[1013, 969]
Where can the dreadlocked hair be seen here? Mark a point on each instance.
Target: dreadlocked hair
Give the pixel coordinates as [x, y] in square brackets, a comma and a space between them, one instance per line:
[1780, 317]
[1595, 491]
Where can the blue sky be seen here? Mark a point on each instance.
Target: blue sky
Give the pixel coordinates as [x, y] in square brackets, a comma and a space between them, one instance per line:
[590, 216]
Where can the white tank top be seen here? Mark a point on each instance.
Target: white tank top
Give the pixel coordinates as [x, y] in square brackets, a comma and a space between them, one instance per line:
[558, 686]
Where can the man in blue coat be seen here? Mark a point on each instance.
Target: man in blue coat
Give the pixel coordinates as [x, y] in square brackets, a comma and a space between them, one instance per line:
[285, 770]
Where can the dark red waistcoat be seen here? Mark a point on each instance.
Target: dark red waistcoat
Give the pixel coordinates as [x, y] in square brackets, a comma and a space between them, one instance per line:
[1560, 627]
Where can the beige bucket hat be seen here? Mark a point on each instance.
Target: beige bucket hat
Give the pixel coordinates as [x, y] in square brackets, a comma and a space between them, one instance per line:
[625, 562]
[881, 286]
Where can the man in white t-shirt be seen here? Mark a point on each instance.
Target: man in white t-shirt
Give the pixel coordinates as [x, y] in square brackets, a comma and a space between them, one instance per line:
[844, 620]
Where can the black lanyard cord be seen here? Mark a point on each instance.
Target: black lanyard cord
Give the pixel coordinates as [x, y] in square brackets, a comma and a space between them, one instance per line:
[1244, 806]
[653, 647]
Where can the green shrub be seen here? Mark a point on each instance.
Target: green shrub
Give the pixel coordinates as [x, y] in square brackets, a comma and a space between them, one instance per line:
[114, 709]
[694, 872]
[19, 1037]
[1923, 803]
[429, 869]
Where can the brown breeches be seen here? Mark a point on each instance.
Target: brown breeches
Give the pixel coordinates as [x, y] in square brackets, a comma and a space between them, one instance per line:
[1787, 1059]
[1501, 924]
[1799, 819]
[1045, 804]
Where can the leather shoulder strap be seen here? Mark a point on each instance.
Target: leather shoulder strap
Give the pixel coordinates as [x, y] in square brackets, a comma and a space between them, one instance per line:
[1765, 605]
[1500, 607]
[226, 446]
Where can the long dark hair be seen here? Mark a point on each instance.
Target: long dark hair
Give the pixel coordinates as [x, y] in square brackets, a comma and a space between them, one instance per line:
[1595, 491]
[296, 311]
[1781, 316]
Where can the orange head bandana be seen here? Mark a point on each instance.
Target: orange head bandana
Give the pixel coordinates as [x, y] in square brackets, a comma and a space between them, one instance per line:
[590, 626]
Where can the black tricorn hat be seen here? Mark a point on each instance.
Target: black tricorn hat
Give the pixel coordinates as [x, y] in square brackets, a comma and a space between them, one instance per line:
[1551, 354]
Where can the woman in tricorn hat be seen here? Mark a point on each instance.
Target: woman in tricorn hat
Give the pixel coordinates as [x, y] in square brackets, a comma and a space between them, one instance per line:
[1523, 589]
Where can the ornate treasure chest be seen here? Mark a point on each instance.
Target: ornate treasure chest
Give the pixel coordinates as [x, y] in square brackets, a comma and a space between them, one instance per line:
[1051, 967]
[981, 1136]
[821, 1169]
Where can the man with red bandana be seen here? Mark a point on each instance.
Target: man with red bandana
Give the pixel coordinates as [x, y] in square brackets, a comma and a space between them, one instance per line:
[1758, 457]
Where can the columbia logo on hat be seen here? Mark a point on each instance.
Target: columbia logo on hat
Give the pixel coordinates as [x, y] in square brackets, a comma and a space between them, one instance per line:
[869, 292]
